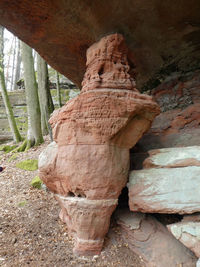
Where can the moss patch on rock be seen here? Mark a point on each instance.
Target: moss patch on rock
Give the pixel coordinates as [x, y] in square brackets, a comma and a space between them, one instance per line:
[36, 182]
[28, 165]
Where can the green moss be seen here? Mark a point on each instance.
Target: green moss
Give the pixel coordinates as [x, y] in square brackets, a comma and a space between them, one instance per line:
[22, 124]
[22, 203]
[13, 157]
[36, 182]
[53, 92]
[7, 148]
[28, 164]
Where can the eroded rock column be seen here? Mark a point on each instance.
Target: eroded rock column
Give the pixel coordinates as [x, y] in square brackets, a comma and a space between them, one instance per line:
[87, 165]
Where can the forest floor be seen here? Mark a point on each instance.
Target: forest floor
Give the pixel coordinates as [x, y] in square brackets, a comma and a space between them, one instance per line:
[31, 233]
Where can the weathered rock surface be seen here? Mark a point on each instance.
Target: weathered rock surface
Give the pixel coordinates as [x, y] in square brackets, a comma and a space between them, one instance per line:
[150, 239]
[165, 190]
[188, 233]
[61, 31]
[168, 183]
[179, 123]
[173, 157]
[88, 166]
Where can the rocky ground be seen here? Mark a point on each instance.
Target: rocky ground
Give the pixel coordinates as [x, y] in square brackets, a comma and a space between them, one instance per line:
[31, 233]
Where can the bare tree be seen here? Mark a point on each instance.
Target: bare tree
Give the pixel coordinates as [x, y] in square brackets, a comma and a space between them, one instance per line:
[18, 65]
[34, 134]
[45, 99]
[11, 119]
[13, 65]
[58, 89]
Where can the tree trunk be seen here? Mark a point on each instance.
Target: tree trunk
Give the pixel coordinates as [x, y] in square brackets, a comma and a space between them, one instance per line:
[8, 66]
[18, 66]
[34, 135]
[11, 119]
[58, 89]
[13, 65]
[46, 103]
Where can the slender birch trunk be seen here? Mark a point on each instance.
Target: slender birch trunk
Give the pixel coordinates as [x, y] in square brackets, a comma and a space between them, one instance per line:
[11, 119]
[18, 66]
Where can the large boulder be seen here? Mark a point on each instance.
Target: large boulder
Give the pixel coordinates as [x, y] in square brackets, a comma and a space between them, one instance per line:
[152, 242]
[172, 186]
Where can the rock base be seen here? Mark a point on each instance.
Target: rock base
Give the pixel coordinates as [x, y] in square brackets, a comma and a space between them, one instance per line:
[152, 242]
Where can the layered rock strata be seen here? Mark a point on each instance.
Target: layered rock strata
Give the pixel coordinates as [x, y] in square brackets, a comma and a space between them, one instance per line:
[169, 182]
[152, 242]
[179, 123]
[88, 164]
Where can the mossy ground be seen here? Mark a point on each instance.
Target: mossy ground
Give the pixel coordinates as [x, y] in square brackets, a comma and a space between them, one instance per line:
[7, 148]
[13, 157]
[22, 203]
[28, 164]
[36, 182]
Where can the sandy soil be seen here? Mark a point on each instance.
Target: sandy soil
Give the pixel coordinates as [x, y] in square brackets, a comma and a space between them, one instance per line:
[31, 233]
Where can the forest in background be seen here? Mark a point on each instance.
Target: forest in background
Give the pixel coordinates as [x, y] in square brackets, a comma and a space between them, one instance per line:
[22, 68]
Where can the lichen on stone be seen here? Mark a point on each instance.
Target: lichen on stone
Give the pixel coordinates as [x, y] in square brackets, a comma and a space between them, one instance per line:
[28, 165]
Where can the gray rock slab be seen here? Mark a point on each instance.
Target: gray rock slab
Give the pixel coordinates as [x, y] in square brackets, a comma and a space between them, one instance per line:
[173, 157]
[165, 190]
[187, 233]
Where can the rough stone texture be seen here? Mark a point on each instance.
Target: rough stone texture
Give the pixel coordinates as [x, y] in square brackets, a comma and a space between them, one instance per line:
[94, 133]
[165, 190]
[90, 219]
[106, 67]
[163, 35]
[188, 233]
[91, 171]
[173, 157]
[150, 239]
[179, 123]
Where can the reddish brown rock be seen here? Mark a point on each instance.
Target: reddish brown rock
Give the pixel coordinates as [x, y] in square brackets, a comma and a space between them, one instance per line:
[94, 133]
[61, 31]
[179, 123]
[152, 242]
[107, 65]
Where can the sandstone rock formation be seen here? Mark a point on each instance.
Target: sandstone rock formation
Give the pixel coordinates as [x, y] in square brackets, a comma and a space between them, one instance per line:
[179, 123]
[173, 157]
[162, 35]
[188, 233]
[172, 186]
[150, 240]
[88, 166]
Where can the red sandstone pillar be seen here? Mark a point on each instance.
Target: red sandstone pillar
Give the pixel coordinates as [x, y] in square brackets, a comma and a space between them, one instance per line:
[88, 164]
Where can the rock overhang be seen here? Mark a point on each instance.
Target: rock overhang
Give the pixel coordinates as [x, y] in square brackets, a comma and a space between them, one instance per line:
[162, 36]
